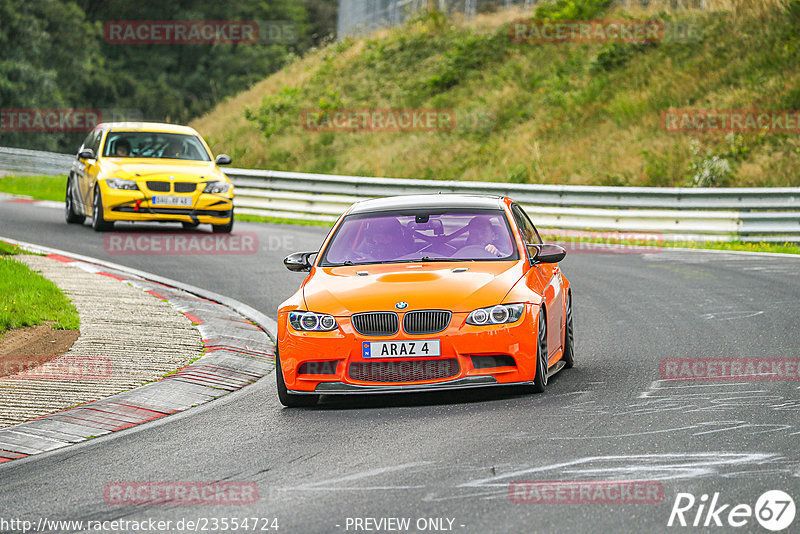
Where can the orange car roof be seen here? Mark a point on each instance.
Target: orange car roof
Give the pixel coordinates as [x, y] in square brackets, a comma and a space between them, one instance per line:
[432, 201]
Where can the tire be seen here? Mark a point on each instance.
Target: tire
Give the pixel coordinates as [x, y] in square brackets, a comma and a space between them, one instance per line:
[99, 224]
[69, 208]
[569, 338]
[189, 225]
[540, 381]
[223, 228]
[286, 398]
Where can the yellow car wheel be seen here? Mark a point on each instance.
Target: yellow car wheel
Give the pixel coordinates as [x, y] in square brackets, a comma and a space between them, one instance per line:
[98, 222]
[223, 228]
[69, 207]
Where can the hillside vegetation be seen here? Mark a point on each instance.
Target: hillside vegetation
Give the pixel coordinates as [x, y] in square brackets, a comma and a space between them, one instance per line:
[56, 55]
[535, 113]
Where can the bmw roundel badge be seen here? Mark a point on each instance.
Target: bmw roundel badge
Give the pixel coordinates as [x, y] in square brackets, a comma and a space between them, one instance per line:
[401, 305]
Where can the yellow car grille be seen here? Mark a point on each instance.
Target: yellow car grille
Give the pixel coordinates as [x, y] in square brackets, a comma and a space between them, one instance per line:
[185, 187]
[165, 187]
[161, 187]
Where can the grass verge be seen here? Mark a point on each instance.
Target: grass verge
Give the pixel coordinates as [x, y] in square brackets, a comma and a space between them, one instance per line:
[28, 299]
[245, 217]
[37, 187]
[739, 246]
[7, 249]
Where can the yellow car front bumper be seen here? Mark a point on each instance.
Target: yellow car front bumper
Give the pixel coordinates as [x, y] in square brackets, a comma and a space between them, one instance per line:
[137, 205]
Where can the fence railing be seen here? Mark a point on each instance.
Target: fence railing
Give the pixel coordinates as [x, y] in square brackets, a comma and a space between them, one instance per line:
[34, 161]
[771, 214]
[357, 17]
[751, 214]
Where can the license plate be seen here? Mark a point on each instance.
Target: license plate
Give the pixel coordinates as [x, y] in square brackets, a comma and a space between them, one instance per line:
[398, 349]
[171, 201]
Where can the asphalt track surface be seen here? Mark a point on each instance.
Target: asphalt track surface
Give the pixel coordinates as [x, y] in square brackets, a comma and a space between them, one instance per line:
[453, 455]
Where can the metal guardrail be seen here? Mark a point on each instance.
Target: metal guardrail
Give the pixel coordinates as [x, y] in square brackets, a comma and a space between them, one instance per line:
[34, 161]
[752, 214]
[756, 214]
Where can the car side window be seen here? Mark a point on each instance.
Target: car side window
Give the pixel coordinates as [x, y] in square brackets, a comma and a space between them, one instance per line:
[526, 227]
[87, 143]
[96, 142]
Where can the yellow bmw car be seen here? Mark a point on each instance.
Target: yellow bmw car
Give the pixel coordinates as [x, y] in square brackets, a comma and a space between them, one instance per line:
[148, 172]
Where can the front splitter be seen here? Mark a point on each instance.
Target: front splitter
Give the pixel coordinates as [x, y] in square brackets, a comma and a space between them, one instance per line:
[341, 388]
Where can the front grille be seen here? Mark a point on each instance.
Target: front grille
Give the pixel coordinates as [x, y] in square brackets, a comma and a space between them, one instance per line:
[426, 321]
[173, 211]
[161, 187]
[404, 371]
[376, 323]
[185, 187]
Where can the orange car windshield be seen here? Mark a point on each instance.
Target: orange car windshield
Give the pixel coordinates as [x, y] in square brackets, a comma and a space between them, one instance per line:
[404, 238]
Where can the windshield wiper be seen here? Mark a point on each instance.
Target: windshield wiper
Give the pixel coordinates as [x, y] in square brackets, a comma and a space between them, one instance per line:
[428, 258]
[348, 263]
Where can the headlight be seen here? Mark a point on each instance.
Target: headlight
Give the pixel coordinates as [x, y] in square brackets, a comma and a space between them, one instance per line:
[310, 321]
[119, 183]
[500, 314]
[217, 187]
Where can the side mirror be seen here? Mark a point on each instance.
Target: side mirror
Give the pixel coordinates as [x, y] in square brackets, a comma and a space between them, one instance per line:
[546, 253]
[223, 159]
[87, 153]
[299, 261]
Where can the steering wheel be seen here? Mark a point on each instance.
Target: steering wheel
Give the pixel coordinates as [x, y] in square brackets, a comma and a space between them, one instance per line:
[473, 251]
[438, 248]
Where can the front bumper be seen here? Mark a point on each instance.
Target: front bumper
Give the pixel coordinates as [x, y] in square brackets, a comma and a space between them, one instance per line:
[205, 208]
[342, 388]
[464, 343]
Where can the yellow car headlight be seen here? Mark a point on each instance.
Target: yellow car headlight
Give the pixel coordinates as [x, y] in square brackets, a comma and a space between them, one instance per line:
[217, 188]
[120, 183]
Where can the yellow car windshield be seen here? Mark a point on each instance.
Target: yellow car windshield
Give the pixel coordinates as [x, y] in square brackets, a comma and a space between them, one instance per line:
[154, 145]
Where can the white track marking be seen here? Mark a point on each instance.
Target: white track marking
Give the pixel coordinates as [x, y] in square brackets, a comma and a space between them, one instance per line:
[325, 485]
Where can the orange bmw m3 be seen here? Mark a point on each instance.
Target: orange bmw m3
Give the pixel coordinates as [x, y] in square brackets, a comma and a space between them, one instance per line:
[423, 293]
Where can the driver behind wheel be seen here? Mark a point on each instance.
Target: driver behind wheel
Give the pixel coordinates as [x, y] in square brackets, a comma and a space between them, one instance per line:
[481, 233]
[122, 149]
[173, 150]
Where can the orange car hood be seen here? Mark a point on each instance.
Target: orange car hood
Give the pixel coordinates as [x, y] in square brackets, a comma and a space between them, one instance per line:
[341, 291]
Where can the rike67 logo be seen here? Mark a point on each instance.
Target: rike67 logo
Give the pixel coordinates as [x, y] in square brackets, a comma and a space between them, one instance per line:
[774, 510]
